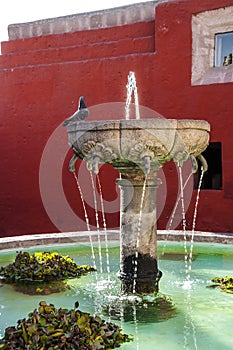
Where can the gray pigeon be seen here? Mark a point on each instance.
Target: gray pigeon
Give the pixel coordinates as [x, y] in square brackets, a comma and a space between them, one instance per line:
[80, 114]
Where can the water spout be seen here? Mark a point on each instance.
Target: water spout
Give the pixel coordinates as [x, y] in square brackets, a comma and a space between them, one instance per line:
[95, 165]
[146, 165]
[194, 164]
[89, 165]
[203, 163]
[72, 163]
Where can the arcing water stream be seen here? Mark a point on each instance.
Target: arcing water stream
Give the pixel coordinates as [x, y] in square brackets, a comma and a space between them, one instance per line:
[97, 221]
[86, 218]
[104, 224]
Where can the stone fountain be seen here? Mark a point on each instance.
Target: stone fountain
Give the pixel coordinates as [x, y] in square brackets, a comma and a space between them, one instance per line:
[137, 149]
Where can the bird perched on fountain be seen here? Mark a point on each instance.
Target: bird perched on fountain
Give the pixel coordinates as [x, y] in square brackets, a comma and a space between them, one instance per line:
[80, 114]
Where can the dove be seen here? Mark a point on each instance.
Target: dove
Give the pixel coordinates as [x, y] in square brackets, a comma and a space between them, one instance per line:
[80, 114]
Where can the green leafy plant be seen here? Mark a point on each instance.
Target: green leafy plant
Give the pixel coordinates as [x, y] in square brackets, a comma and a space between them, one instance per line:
[48, 328]
[225, 284]
[42, 272]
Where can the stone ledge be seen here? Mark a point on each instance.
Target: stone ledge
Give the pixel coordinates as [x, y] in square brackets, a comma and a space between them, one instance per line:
[201, 237]
[29, 241]
[85, 21]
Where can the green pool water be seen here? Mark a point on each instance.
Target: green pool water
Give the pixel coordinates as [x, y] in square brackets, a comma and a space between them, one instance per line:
[184, 315]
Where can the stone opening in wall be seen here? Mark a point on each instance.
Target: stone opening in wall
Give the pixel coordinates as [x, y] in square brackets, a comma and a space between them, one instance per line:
[223, 49]
[206, 26]
[212, 179]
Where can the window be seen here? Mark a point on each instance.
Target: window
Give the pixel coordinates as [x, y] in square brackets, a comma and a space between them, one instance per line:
[223, 49]
[212, 179]
[212, 40]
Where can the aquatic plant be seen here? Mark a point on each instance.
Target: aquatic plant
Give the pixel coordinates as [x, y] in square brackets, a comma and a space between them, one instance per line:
[42, 272]
[48, 328]
[225, 284]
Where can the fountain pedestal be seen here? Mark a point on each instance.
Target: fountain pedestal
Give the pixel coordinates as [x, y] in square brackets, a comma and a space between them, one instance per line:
[138, 256]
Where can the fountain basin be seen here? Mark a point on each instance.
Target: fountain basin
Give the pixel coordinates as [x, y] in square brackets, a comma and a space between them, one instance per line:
[147, 143]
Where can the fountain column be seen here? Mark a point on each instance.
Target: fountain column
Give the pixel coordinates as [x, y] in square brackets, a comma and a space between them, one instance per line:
[138, 231]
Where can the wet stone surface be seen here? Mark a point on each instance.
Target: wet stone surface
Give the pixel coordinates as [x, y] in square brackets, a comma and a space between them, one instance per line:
[139, 274]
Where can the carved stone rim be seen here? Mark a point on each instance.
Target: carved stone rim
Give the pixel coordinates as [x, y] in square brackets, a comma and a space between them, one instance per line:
[155, 123]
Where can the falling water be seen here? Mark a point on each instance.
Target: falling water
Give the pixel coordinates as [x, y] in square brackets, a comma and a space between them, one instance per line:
[104, 223]
[131, 87]
[97, 222]
[138, 236]
[173, 214]
[183, 214]
[189, 325]
[87, 219]
[188, 321]
[136, 326]
[194, 218]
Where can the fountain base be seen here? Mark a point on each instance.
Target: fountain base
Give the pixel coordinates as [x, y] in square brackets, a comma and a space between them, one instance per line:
[145, 280]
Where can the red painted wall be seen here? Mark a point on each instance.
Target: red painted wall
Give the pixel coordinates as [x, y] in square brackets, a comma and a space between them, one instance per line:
[41, 79]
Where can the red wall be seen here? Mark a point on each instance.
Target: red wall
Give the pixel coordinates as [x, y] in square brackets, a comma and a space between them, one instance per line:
[41, 79]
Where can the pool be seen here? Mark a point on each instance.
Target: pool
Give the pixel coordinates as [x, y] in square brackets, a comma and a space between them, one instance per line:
[186, 314]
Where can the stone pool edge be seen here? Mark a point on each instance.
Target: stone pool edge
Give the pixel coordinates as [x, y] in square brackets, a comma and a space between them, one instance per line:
[33, 240]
